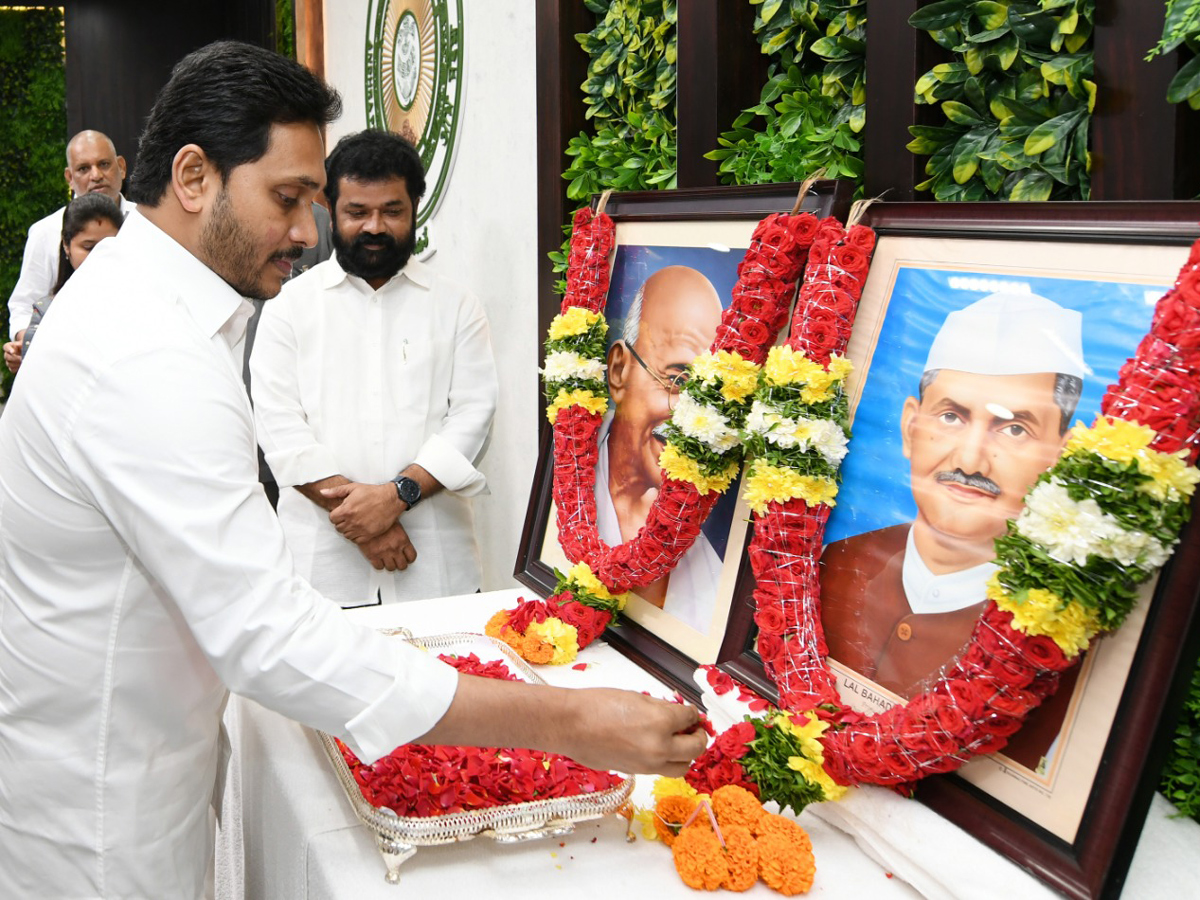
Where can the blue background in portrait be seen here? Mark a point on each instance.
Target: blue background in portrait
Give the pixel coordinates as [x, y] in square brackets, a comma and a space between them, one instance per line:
[876, 491]
[635, 263]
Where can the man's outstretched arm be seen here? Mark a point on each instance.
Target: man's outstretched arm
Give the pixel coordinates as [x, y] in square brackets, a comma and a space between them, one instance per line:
[598, 727]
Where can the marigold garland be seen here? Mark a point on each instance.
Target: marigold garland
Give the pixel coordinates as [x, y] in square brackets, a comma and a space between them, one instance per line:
[749, 843]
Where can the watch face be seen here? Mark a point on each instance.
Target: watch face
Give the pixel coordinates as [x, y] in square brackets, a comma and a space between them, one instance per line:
[410, 491]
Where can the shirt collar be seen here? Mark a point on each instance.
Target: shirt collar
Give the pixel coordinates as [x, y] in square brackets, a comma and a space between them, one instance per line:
[212, 303]
[930, 593]
[332, 274]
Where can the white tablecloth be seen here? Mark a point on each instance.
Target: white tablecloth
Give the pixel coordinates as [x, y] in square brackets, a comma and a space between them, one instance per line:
[288, 831]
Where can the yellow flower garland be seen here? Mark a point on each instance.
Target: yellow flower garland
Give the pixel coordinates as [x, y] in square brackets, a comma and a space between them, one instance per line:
[1040, 612]
[575, 320]
[588, 400]
[1124, 442]
[684, 468]
[771, 484]
[812, 764]
[739, 377]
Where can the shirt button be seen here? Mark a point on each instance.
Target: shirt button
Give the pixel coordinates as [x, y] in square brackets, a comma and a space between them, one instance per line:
[936, 592]
[904, 631]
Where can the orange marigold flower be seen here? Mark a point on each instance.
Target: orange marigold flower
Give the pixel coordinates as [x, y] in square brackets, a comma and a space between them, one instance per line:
[671, 813]
[535, 650]
[495, 625]
[734, 805]
[786, 863]
[699, 859]
[785, 828]
[741, 856]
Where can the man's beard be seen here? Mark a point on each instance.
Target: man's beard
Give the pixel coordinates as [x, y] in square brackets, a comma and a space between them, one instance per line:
[229, 249]
[356, 259]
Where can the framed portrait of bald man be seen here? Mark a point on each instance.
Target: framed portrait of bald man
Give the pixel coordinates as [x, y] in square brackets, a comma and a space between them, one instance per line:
[985, 332]
[672, 274]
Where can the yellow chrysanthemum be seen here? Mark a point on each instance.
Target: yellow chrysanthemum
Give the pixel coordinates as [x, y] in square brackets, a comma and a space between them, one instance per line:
[787, 366]
[563, 637]
[1072, 626]
[1114, 439]
[674, 787]
[772, 484]
[589, 401]
[683, 468]
[840, 367]
[738, 376]
[575, 320]
[1172, 478]
[811, 764]
[645, 818]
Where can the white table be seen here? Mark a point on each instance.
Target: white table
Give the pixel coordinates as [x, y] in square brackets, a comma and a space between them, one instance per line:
[290, 833]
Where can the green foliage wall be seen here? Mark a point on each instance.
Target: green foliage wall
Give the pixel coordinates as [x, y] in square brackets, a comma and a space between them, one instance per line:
[1181, 28]
[34, 137]
[1017, 98]
[811, 113]
[285, 28]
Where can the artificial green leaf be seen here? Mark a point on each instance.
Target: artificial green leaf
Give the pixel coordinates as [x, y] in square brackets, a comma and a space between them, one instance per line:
[966, 153]
[1034, 186]
[1050, 132]
[1186, 83]
[960, 113]
[936, 16]
[991, 15]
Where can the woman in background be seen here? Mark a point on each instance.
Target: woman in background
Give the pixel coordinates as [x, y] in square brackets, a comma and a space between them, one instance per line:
[87, 220]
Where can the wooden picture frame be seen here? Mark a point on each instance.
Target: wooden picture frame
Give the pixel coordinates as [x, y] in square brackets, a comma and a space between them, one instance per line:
[1088, 859]
[694, 212]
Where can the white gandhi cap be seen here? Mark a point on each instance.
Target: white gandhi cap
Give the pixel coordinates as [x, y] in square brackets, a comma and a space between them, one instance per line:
[1010, 334]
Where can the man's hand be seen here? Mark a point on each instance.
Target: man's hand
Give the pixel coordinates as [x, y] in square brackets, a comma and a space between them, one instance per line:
[598, 727]
[391, 550]
[12, 355]
[365, 511]
[634, 733]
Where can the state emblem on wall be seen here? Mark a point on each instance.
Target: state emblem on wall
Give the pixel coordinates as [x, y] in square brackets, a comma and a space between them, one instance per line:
[414, 69]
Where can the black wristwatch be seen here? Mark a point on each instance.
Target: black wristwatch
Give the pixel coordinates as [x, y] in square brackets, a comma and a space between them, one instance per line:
[408, 490]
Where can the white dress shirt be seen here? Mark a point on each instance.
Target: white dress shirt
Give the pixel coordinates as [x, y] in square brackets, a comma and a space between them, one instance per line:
[39, 267]
[352, 381]
[930, 593]
[141, 572]
[692, 586]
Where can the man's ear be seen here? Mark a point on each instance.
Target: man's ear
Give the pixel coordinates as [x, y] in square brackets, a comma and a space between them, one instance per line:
[619, 361]
[121, 166]
[67, 176]
[193, 178]
[908, 417]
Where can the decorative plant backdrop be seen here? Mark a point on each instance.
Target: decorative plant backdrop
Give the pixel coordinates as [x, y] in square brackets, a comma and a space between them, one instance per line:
[285, 28]
[1017, 97]
[630, 98]
[811, 114]
[1182, 29]
[34, 137]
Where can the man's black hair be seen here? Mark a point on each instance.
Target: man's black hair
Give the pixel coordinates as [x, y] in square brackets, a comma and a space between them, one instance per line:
[224, 98]
[374, 155]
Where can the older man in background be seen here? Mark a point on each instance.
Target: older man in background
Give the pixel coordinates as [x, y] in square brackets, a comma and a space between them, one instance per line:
[93, 166]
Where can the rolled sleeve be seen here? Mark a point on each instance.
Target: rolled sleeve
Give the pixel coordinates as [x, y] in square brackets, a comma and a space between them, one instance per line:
[39, 270]
[410, 707]
[289, 443]
[454, 472]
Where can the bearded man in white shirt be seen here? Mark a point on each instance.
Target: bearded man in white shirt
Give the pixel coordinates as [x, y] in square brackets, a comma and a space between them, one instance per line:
[93, 166]
[374, 389]
[142, 571]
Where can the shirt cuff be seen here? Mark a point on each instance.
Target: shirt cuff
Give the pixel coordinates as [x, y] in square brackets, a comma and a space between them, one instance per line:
[292, 467]
[419, 696]
[453, 471]
[18, 323]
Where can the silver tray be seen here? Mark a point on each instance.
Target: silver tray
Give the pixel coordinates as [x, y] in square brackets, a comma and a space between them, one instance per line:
[399, 837]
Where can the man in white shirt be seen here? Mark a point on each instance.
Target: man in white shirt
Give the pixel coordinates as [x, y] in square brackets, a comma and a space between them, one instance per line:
[142, 571]
[93, 166]
[374, 389]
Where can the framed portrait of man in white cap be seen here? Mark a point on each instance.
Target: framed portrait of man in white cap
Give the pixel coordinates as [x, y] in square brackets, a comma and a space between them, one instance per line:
[973, 359]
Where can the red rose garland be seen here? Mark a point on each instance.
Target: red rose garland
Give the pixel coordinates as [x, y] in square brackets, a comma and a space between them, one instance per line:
[587, 598]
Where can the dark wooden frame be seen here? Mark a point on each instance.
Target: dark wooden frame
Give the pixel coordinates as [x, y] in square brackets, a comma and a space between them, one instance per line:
[1094, 865]
[699, 204]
